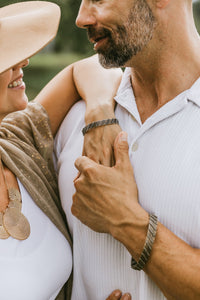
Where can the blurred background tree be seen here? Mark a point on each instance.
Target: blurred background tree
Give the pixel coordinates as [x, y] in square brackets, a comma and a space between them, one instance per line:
[196, 10]
[70, 45]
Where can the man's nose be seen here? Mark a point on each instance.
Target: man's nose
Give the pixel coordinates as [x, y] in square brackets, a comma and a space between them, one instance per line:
[86, 15]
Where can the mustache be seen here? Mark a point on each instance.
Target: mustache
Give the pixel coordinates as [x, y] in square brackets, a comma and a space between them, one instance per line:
[94, 33]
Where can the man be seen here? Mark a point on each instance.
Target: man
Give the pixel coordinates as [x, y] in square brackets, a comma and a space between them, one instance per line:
[158, 105]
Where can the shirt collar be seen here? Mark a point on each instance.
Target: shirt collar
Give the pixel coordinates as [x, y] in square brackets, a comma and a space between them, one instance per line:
[125, 82]
[125, 95]
[192, 94]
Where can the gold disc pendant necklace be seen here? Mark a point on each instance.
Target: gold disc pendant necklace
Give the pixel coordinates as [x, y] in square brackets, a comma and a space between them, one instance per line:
[12, 221]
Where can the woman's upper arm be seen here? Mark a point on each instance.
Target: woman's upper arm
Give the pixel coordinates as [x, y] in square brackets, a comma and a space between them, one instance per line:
[84, 79]
[58, 96]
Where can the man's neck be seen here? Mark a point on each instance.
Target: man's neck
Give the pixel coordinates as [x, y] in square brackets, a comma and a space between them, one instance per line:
[159, 78]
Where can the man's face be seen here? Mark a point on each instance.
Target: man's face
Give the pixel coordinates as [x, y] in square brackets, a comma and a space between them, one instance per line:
[119, 31]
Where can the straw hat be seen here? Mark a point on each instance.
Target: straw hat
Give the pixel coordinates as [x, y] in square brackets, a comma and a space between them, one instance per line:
[26, 28]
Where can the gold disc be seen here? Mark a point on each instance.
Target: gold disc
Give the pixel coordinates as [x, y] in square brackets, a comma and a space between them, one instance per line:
[14, 194]
[16, 223]
[3, 233]
[16, 204]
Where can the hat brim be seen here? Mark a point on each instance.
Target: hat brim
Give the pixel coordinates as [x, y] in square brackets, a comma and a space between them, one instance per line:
[25, 29]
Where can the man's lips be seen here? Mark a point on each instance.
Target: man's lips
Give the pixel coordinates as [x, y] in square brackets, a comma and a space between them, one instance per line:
[95, 35]
[100, 43]
[98, 40]
[98, 36]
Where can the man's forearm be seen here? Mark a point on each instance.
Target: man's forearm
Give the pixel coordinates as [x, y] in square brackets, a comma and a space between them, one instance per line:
[173, 265]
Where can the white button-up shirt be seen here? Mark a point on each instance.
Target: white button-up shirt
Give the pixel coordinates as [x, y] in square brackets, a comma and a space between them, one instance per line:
[165, 154]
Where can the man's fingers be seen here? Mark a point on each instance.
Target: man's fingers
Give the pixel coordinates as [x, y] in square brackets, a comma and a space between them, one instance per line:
[121, 150]
[85, 165]
[77, 176]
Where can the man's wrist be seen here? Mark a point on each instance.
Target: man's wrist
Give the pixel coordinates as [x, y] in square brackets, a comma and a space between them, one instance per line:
[132, 232]
[150, 238]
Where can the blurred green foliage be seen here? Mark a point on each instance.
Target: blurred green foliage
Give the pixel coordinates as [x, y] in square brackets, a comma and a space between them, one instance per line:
[43, 67]
[196, 11]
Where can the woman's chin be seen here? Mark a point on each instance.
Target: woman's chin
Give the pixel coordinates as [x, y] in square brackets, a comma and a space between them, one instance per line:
[24, 105]
[21, 105]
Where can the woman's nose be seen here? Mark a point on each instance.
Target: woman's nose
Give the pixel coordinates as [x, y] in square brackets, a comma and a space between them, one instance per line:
[22, 64]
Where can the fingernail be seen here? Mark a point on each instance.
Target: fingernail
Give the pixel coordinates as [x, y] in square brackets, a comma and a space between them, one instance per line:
[117, 293]
[127, 297]
[123, 136]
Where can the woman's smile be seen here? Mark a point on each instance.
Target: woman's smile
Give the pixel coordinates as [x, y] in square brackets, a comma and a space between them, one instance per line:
[17, 83]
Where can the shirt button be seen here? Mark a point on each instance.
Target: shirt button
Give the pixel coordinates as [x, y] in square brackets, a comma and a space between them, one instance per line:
[135, 147]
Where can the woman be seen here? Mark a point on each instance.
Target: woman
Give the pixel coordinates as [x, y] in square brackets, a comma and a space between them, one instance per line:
[35, 247]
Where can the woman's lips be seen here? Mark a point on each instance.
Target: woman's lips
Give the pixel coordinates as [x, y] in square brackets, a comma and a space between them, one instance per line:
[17, 83]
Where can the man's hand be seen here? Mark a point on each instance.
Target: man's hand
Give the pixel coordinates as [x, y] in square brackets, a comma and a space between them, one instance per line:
[106, 197]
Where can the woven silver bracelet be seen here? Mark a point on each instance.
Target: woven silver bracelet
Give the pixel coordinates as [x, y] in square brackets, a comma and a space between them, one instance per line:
[99, 124]
[151, 234]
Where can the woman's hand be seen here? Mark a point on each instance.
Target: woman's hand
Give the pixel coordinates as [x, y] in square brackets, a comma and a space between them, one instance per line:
[97, 86]
[117, 295]
[98, 144]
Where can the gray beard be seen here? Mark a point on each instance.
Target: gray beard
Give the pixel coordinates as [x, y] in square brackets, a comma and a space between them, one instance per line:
[118, 55]
[131, 38]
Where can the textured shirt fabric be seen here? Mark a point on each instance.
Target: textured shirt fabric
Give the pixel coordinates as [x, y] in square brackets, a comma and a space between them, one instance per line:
[26, 145]
[165, 154]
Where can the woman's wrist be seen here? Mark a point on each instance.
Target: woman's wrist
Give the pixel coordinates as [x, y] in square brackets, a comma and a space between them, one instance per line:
[99, 112]
[100, 123]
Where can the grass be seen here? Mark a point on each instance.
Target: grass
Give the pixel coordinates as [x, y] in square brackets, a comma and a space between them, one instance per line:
[43, 67]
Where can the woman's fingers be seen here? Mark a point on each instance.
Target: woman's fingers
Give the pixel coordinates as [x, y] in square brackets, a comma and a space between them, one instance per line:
[117, 295]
